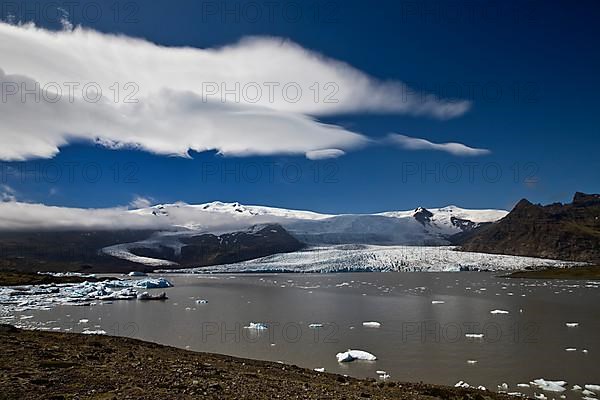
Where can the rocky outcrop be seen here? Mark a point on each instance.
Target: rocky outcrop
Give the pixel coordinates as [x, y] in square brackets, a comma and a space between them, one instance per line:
[560, 231]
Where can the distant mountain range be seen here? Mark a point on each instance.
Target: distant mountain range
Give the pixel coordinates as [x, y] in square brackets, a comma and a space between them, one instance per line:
[183, 235]
[560, 231]
[180, 235]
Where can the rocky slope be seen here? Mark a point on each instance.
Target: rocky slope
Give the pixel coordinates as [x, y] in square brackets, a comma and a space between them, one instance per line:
[49, 365]
[559, 231]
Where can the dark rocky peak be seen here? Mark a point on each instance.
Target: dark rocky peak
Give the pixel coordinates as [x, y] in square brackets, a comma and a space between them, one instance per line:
[423, 215]
[584, 199]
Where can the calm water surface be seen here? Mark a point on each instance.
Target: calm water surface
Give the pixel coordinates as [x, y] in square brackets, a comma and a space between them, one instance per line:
[417, 341]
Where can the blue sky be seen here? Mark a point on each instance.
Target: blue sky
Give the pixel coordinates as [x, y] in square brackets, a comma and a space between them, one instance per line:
[529, 70]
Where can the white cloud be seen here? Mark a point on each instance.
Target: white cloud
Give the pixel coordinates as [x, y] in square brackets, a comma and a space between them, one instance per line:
[457, 149]
[140, 202]
[324, 154]
[175, 112]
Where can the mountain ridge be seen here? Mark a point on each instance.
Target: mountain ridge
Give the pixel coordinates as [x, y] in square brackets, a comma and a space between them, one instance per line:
[561, 231]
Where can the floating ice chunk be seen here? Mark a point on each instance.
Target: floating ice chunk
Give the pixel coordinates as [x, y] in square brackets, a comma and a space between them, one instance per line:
[503, 386]
[257, 326]
[471, 362]
[499, 312]
[94, 332]
[137, 273]
[26, 316]
[576, 387]
[587, 392]
[540, 396]
[549, 386]
[148, 296]
[481, 388]
[572, 324]
[523, 385]
[153, 283]
[315, 326]
[570, 349]
[437, 302]
[588, 398]
[474, 335]
[515, 394]
[201, 301]
[83, 321]
[351, 355]
[593, 387]
[380, 372]
[371, 324]
[384, 376]
[320, 369]
[462, 384]
[585, 351]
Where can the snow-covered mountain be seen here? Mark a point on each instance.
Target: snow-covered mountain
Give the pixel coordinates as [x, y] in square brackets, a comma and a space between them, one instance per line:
[415, 227]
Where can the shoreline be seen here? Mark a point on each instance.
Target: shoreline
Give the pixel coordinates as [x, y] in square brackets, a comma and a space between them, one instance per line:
[65, 365]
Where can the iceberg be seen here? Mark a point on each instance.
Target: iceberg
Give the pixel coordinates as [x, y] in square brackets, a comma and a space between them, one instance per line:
[499, 312]
[319, 369]
[474, 335]
[351, 355]
[257, 326]
[549, 386]
[153, 283]
[593, 387]
[148, 296]
[371, 324]
[137, 273]
[94, 332]
[572, 324]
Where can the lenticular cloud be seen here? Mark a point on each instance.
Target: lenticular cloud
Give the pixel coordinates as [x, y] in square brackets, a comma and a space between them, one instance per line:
[257, 97]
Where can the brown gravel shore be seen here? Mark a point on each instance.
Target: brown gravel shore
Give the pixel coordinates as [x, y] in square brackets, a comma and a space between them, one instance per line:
[50, 365]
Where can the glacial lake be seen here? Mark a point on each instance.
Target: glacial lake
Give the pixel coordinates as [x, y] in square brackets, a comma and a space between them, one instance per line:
[425, 319]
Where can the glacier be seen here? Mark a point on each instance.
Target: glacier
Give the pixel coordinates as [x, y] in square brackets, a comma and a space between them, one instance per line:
[373, 258]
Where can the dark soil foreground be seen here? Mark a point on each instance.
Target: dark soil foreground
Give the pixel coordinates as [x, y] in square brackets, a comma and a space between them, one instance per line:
[49, 365]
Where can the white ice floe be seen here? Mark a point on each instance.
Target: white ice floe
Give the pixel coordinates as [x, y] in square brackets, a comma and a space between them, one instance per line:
[572, 324]
[383, 375]
[471, 361]
[499, 312]
[540, 396]
[523, 385]
[587, 392]
[549, 386]
[94, 332]
[83, 321]
[137, 273]
[503, 386]
[351, 355]
[474, 335]
[576, 387]
[315, 326]
[319, 369]
[437, 302]
[257, 326]
[593, 387]
[570, 349]
[372, 324]
[462, 384]
[44, 297]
